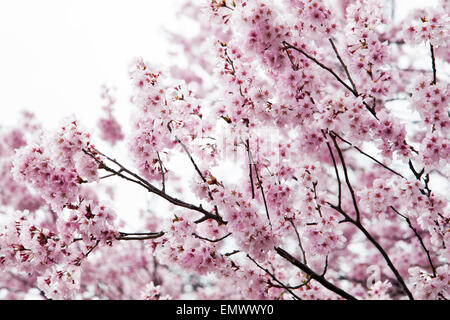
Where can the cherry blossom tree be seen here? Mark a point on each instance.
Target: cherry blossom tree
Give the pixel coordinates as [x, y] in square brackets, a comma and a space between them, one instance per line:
[302, 152]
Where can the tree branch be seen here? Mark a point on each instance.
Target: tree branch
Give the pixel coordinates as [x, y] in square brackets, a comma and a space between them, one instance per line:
[196, 169]
[163, 180]
[313, 275]
[151, 188]
[289, 46]
[379, 248]
[250, 169]
[347, 180]
[352, 89]
[139, 235]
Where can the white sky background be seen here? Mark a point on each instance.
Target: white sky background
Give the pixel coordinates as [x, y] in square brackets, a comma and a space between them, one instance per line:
[55, 55]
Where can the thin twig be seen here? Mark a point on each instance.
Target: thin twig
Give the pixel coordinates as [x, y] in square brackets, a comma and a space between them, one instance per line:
[196, 169]
[433, 63]
[289, 46]
[347, 179]
[92, 248]
[343, 66]
[325, 268]
[299, 241]
[274, 278]
[260, 185]
[231, 253]
[139, 235]
[262, 193]
[417, 174]
[378, 246]
[212, 240]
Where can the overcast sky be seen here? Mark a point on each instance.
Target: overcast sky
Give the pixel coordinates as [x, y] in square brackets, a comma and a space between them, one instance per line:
[55, 54]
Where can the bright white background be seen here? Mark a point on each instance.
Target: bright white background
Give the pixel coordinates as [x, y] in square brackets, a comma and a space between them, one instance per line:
[55, 54]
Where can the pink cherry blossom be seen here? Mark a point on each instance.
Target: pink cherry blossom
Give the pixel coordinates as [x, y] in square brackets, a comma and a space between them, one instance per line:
[301, 154]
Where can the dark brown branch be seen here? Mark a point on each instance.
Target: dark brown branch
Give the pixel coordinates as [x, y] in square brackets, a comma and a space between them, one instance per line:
[417, 174]
[304, 283]
[92, 152]
[108, 175]
[231, 253]
[262, 193]
[259, 182]
[388, 260]
[287, 45]
[337, 175]
[343, 66]
[419, 238]
[132, 236]
[293, 65]
[325, 268]
[368, 155]
[313, 275]
[92, 248]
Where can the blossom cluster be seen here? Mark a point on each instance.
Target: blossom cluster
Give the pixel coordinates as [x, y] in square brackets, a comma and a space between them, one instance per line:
[306, 180]
[110, 128]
